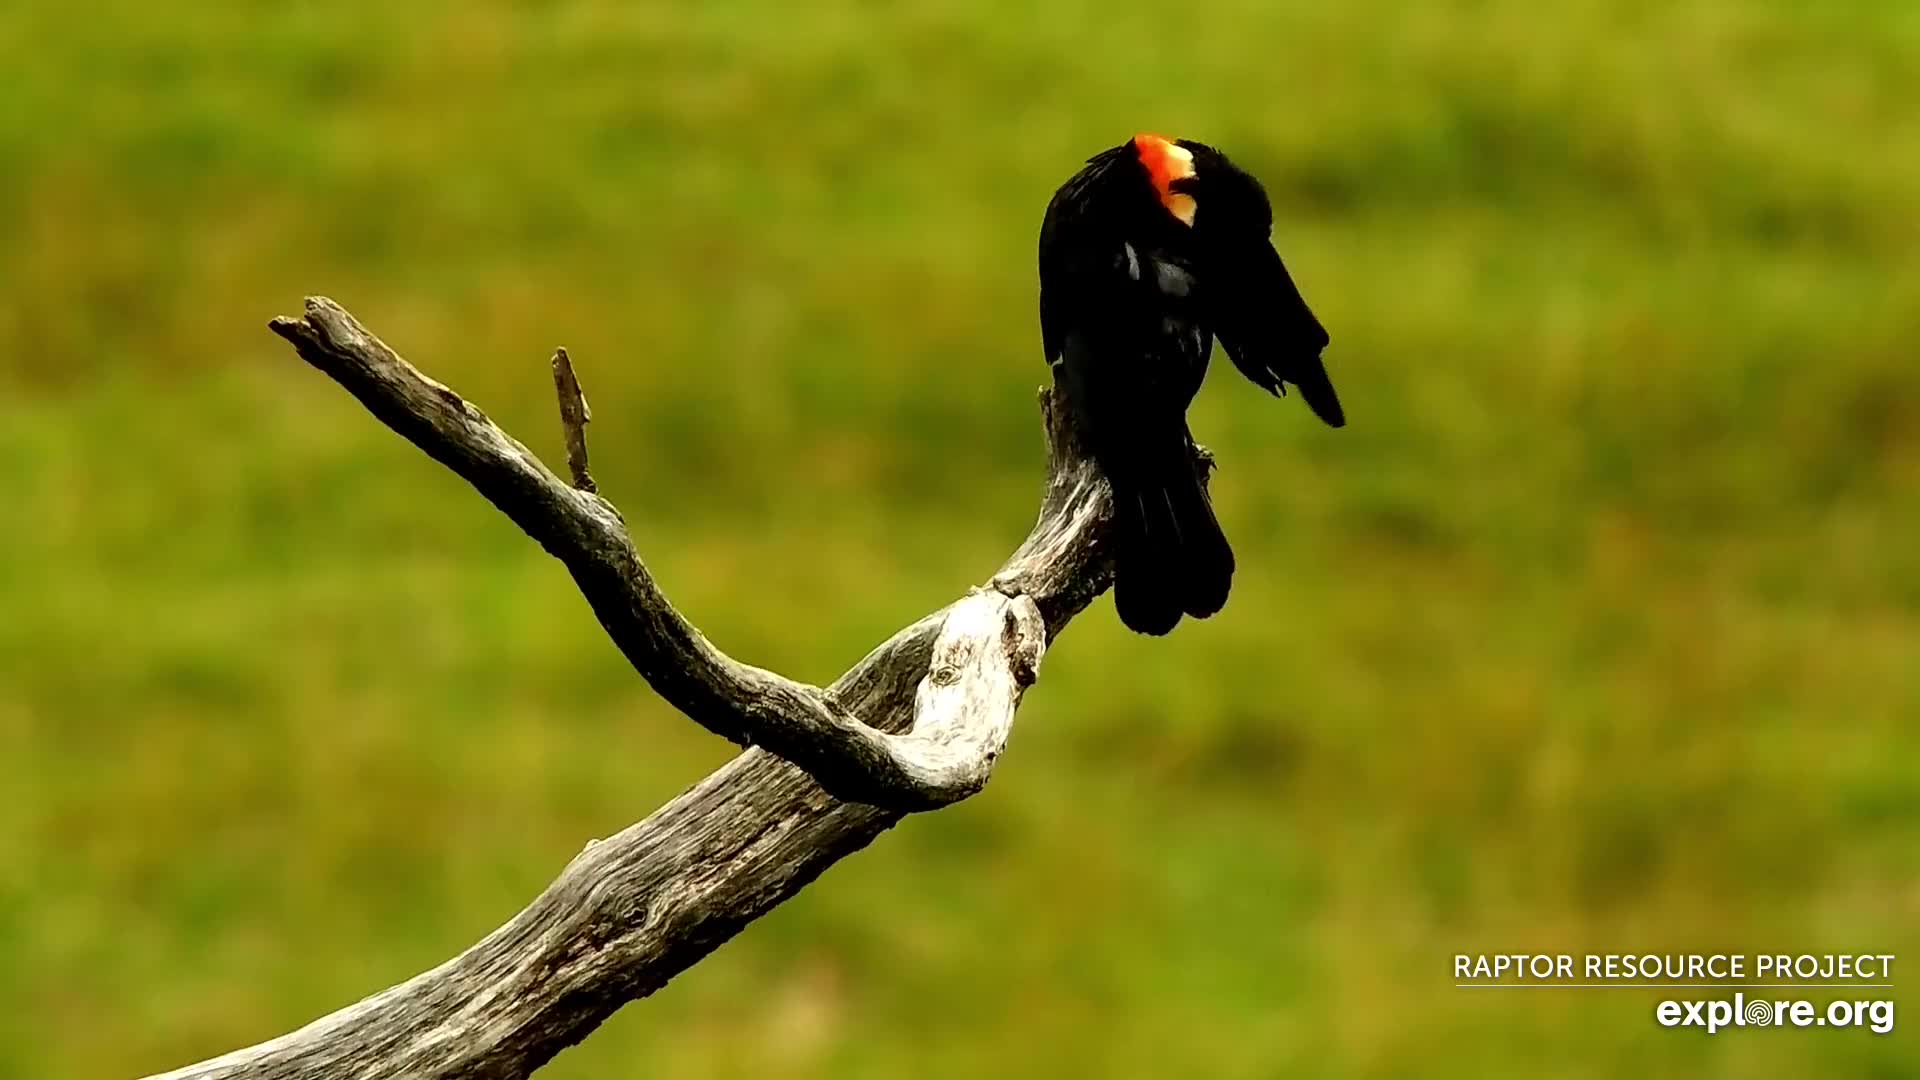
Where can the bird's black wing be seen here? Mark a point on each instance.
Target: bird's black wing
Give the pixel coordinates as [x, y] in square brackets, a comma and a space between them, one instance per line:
[1074, 256]
[1266, 327]
[1252, 302]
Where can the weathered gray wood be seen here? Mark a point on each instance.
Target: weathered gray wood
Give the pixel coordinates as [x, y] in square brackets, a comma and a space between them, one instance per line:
[916, 723]
[852, 759]
[574, 417]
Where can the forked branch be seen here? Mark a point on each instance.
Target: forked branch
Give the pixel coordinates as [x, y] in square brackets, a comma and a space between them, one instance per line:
[915, 724]
[936, 763]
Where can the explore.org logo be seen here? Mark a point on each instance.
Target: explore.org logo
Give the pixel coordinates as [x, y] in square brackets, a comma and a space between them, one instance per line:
[1841, 976]
[1875, 1016]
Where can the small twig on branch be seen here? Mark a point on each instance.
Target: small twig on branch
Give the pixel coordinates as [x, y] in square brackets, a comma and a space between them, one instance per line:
[574, 416]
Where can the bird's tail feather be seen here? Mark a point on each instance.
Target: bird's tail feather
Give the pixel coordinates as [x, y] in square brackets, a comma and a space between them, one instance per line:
[1172, 559]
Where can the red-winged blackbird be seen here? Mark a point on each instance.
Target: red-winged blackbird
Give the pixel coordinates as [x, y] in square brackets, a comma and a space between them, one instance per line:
[1146, 255]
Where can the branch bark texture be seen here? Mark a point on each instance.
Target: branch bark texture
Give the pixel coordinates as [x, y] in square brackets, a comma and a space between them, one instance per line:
[916, 724]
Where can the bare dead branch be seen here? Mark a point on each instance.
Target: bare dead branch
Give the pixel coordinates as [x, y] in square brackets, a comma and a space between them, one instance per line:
[747, 705]
[918, 722]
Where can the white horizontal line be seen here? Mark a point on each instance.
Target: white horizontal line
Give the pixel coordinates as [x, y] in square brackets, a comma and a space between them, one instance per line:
[1674, 986]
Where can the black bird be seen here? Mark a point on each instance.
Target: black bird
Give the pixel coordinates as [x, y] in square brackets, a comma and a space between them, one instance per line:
[1147, 254]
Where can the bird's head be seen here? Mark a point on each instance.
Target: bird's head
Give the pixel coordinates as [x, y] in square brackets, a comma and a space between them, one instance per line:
[1204, 190]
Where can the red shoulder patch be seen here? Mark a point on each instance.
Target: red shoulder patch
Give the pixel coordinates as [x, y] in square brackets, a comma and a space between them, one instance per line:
[1167, 161]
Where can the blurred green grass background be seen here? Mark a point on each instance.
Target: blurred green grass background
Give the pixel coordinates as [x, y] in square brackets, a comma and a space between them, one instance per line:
[1598, 630]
